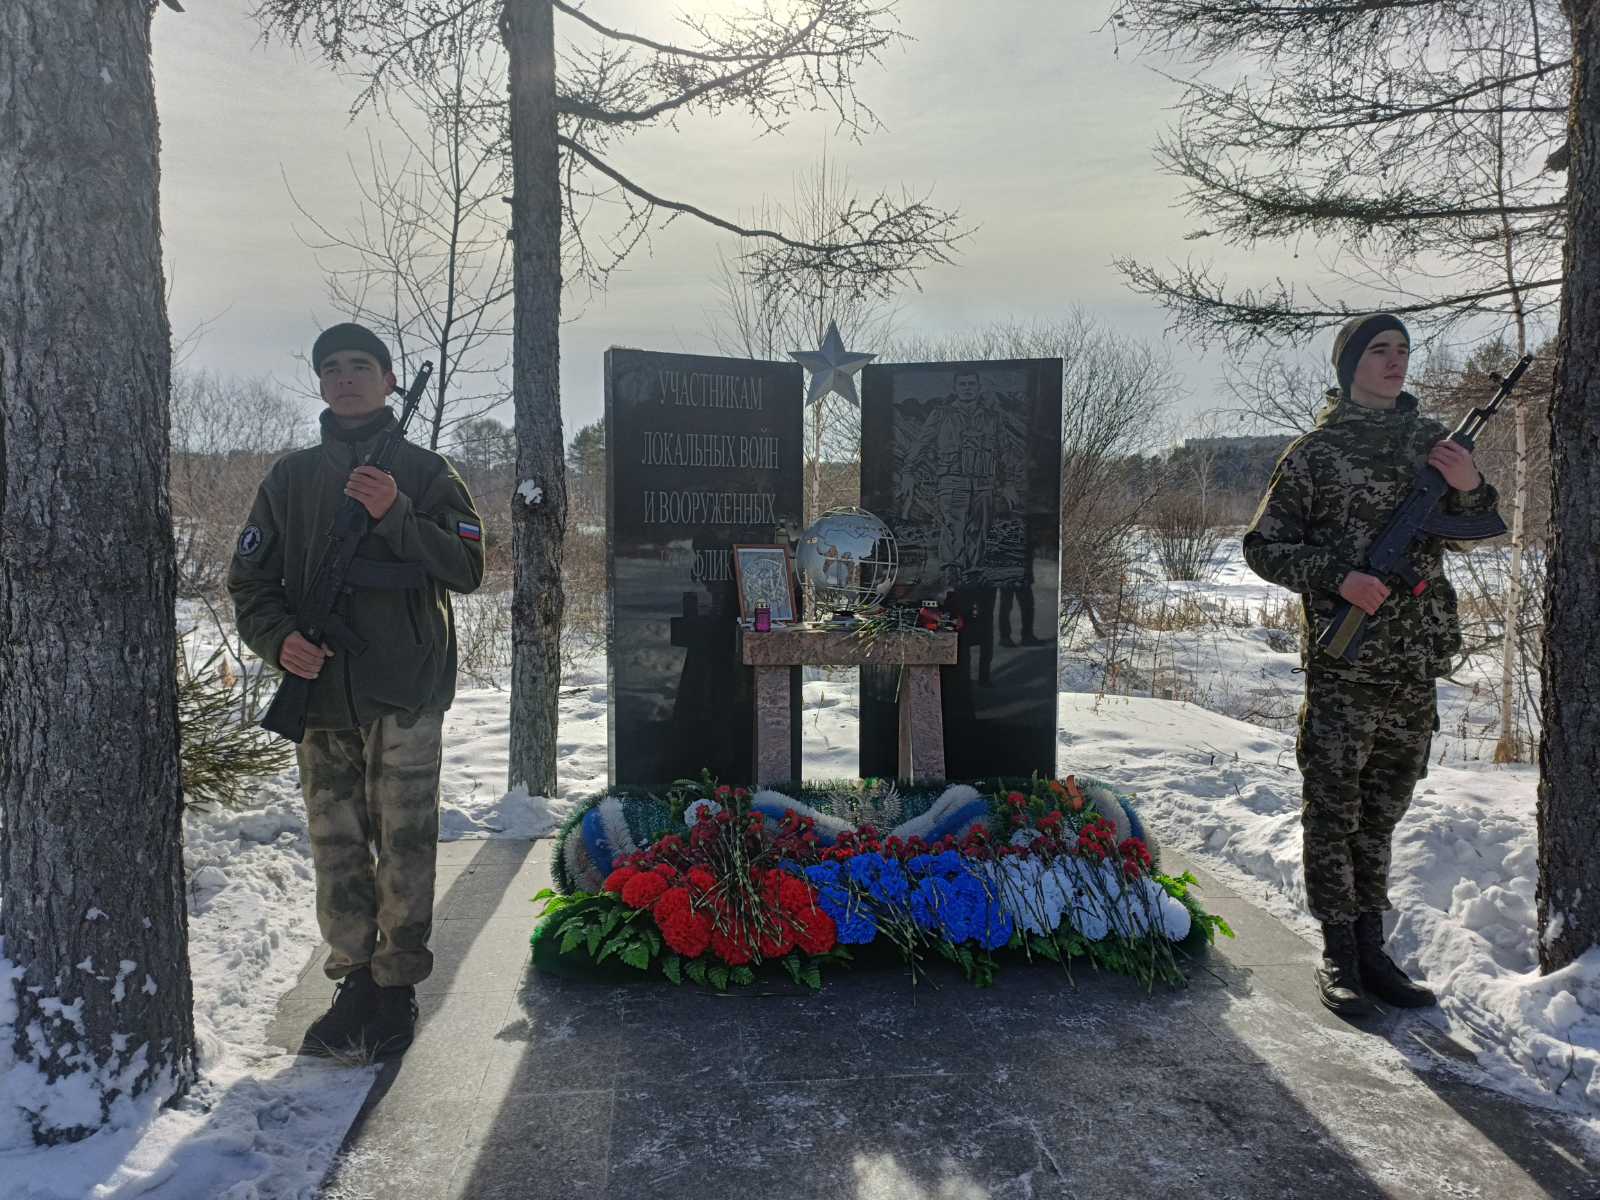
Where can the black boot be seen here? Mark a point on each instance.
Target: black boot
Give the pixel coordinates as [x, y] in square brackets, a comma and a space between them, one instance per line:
[394, 1024]
[1338, 980]
[342, 1029]
[1379, 974]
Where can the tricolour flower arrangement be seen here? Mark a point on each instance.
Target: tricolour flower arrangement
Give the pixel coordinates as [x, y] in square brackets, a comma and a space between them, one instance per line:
[1035, 871]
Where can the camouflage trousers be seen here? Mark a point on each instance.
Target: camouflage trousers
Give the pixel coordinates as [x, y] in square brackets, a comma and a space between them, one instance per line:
[1361, 748]
[372, 804]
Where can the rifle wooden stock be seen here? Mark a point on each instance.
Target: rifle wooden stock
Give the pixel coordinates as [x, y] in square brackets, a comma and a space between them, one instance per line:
[1345, 633]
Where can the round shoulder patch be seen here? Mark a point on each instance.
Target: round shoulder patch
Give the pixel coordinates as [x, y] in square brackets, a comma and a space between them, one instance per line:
[249, 541]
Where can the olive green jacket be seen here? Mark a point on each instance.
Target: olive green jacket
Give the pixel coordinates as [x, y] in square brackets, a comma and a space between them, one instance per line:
[401, 613]
[1332, 493]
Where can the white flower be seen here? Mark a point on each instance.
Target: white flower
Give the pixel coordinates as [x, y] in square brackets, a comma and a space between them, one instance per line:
[1174, 917]
[1032, 895]
[691, 815]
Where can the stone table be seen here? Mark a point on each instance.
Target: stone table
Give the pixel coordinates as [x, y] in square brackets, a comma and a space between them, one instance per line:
[919, 654]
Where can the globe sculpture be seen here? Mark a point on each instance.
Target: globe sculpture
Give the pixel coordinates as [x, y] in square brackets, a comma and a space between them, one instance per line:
[849, 558]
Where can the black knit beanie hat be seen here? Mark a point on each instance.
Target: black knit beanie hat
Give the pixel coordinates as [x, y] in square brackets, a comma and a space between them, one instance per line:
[349, 336]
[1353, 338]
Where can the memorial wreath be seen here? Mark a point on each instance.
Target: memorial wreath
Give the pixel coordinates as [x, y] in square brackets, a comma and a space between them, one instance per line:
[709, 882]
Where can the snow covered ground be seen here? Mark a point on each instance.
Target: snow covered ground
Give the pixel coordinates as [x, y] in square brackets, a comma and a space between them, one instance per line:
[1222, 789]
[260, 1123]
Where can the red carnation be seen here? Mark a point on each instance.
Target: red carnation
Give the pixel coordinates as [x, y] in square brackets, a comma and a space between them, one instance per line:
[735, 951]
[673, 900]
[1136, 857]
[817, 933]
[618, 879]
[777, 941]
[643, 890]
[701, 879]
[688, 933]
[795, 895]
[768, 882]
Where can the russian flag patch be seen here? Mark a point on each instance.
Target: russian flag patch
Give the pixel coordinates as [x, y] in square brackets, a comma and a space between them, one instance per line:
[468, 530]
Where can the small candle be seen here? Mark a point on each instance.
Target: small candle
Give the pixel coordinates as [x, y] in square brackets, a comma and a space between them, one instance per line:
[763, 619]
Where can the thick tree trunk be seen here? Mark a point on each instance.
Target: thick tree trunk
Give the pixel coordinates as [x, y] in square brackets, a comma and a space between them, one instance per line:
[90, 866]
[1569, 752]
[539, 507]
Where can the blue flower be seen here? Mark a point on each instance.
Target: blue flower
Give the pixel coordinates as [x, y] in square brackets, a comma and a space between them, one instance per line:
[946, 864]
[882, 879]
[855, 928]
[962, 910]
[995, 929]
[827, 872]
[851, 918]
[929, 899]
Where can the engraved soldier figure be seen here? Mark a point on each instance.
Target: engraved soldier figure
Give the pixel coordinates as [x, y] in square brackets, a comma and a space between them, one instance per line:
[369, 763]
[965, 436]
[1365, 727]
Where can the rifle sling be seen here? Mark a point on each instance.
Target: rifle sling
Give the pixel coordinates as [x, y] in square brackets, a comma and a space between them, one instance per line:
[341, 637]
[385, 576]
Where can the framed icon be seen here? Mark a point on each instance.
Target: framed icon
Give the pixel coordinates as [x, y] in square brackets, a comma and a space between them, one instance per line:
[766, 577]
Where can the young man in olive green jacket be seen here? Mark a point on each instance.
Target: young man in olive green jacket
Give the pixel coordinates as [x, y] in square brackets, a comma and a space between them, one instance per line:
[369, 764]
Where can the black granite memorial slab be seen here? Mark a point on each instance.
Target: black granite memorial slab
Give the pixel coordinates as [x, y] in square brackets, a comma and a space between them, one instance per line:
[701, 454]
[963, 462]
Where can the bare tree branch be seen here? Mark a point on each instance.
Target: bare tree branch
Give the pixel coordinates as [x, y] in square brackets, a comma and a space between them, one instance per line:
[875, 241]
[619, 35]
[1202, 309]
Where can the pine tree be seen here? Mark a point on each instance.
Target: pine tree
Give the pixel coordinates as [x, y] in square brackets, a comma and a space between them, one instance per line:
[1569, 753]
[90, 796]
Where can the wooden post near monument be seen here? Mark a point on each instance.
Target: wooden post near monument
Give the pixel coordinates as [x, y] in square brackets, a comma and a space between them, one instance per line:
[918, 653]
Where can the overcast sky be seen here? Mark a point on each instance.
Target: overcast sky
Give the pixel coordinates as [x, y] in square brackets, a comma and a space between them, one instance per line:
[1017, 112]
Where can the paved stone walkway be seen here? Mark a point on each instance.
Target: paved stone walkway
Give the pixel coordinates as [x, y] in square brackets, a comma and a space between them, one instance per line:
[1242, 1085]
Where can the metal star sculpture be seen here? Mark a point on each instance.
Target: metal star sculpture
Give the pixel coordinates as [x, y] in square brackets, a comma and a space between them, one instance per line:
[832, 368]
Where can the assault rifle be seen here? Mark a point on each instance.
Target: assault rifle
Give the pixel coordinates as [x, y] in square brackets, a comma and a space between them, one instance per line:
[1418, 516]
[286, 715]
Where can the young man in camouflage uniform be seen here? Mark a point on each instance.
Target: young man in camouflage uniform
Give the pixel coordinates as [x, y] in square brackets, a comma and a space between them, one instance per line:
[1366, 727]
[369, 764]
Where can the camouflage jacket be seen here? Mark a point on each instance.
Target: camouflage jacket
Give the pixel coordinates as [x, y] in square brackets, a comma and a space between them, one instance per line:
[1332, 493]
